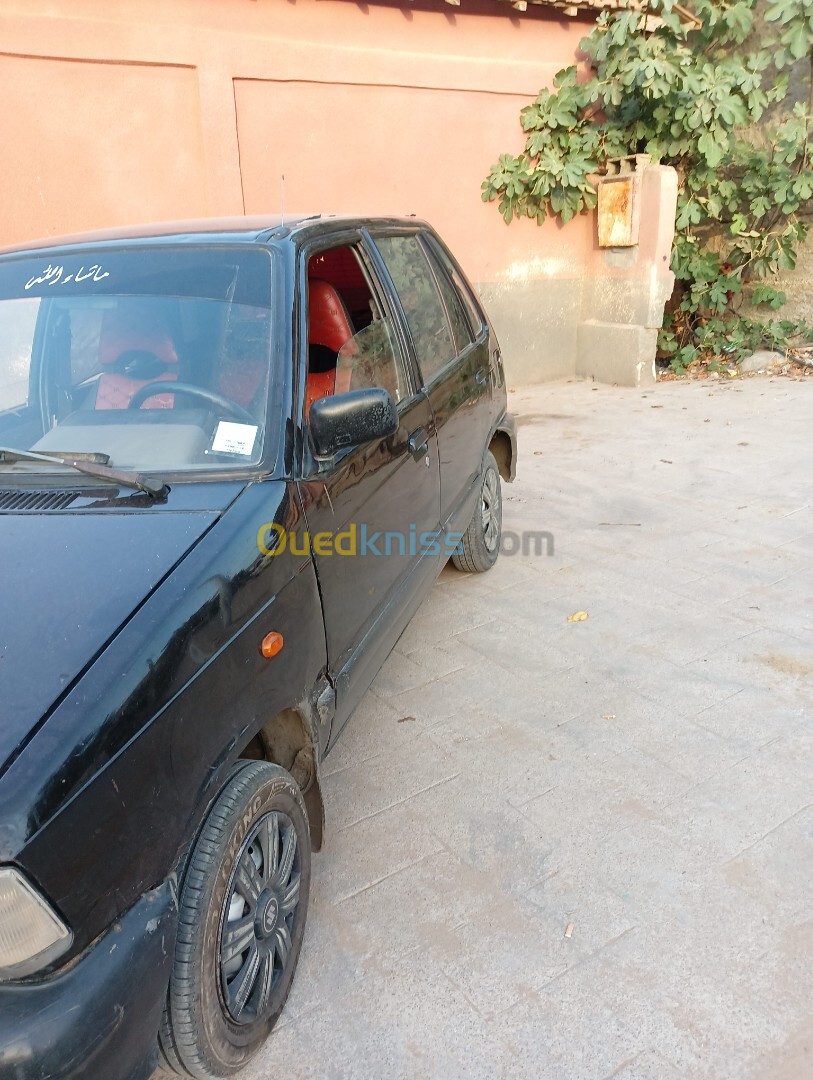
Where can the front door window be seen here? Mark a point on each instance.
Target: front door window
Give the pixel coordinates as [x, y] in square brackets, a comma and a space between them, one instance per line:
[351, 340]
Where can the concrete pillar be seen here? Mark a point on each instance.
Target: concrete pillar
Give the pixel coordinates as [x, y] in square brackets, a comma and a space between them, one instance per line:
[625, 288]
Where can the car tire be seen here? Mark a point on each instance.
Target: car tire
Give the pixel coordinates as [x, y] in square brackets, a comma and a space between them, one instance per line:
[242, 912]
[480, 545]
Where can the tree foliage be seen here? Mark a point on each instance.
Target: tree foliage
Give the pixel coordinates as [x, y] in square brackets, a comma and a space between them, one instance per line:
[710, 97]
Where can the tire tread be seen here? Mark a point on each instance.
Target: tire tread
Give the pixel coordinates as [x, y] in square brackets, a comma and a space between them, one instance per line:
[180, 1037]
[474, 558]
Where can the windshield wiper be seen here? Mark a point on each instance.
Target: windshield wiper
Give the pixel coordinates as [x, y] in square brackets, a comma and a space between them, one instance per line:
[91, 465]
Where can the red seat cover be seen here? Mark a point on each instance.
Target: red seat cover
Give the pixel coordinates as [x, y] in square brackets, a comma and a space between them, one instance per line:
[329, 326]
[328, 322]
[128, 328]
[320, 384]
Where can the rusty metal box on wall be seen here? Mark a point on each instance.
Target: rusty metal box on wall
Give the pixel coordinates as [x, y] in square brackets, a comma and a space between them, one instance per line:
[619, 214]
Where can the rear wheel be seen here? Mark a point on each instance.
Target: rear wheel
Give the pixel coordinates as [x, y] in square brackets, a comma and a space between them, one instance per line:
[481, 540]
[242, 916]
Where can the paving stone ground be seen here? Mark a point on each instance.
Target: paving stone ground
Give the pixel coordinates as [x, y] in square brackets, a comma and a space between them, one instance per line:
[644, 776]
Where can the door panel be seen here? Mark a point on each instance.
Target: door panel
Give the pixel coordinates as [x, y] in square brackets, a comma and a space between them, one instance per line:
[375, 506]
[367, 577]
[461, 405]
[454, 366]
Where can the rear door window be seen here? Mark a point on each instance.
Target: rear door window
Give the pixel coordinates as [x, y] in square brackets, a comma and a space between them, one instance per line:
[417, 289]
[461, 328]
[474, 314]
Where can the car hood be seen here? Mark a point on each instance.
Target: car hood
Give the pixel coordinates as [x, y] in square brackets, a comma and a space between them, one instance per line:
[68, 581]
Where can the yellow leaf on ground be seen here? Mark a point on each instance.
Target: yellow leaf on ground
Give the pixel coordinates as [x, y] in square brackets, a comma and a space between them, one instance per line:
[578, 616]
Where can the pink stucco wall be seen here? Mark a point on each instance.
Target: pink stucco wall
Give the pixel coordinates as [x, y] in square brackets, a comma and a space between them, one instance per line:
[143, 110]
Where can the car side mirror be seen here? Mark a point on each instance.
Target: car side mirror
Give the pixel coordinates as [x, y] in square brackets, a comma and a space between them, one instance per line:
[351, 419]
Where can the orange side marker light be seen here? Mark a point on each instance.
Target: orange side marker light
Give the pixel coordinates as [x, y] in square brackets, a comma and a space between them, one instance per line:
[271, 644]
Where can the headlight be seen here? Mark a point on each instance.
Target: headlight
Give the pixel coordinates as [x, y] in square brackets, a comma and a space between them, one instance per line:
[31, 933]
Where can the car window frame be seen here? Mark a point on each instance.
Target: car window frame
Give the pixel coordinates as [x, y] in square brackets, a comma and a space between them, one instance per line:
[381, 287]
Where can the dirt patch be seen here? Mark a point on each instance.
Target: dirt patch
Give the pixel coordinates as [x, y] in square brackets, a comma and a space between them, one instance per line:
[786, 665]
[532, 418]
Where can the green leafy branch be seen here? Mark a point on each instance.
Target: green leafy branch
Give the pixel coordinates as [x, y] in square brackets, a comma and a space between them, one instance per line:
[696, 94]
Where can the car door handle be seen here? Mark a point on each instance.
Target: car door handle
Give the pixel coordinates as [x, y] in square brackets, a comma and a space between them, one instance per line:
[480, 376]
[418, 443]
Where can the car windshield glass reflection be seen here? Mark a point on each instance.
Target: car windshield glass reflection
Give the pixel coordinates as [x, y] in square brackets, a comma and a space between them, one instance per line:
[156, 357]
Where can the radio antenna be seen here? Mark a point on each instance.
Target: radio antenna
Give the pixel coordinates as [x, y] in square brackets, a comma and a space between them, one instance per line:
[282, 198]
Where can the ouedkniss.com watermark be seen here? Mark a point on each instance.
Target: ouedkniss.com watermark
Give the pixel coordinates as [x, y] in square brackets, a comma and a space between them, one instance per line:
[274, 539]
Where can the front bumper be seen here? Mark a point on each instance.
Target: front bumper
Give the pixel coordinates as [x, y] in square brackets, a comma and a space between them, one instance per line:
[98, 1018]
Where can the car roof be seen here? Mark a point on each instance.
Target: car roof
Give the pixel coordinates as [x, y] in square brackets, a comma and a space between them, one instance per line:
[212, 230]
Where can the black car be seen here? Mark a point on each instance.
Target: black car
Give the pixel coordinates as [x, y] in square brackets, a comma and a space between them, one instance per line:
[234, 455]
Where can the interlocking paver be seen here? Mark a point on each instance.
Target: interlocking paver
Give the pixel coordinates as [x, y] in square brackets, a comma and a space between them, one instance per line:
[646, 775]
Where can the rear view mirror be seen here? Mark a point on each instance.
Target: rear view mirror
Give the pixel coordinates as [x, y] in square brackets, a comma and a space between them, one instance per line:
[351, 419]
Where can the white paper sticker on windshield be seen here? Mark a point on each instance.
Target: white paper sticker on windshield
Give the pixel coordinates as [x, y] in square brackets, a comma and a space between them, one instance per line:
[233, 438]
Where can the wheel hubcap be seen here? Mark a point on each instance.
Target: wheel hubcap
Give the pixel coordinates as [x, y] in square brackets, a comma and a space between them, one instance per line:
[259, 914]
[268, 916]
[491, 510]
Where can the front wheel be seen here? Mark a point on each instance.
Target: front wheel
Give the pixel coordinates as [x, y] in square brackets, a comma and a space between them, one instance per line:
[242, 915]
[480, 545]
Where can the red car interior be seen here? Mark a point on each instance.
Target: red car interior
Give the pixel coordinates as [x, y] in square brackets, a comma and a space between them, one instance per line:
[136, 347]
[328, 326]
[128, 341]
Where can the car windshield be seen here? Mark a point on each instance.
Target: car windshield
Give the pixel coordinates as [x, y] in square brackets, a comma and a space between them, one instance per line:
[156, 357]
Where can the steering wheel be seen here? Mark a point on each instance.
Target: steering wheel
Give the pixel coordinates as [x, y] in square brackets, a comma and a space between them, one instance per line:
[166, 386]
